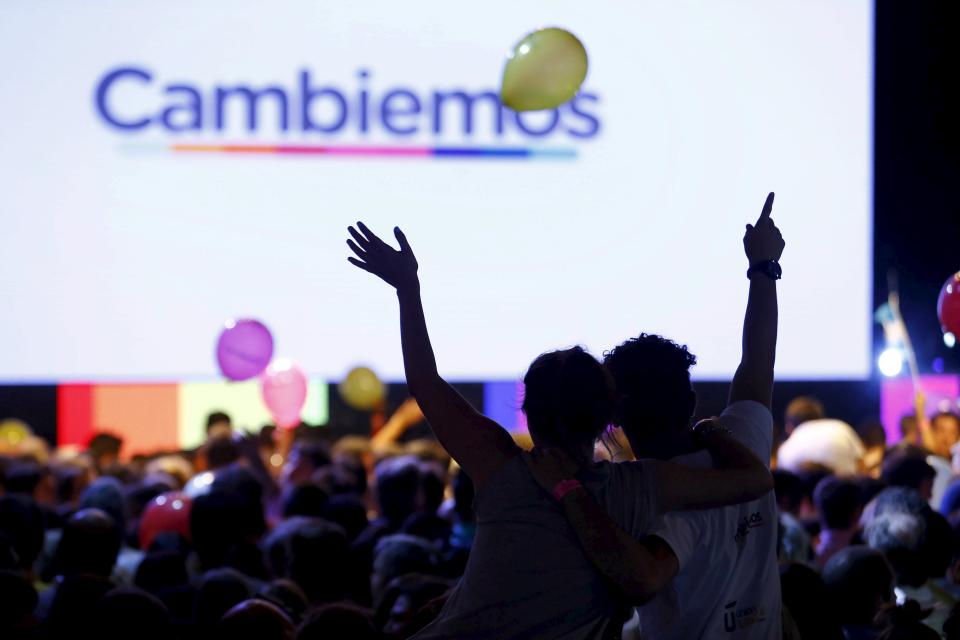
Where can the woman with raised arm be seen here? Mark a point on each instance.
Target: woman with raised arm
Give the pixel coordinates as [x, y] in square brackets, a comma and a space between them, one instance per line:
[529, 574]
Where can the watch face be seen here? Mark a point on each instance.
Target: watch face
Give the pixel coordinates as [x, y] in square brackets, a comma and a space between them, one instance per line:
[773, 268]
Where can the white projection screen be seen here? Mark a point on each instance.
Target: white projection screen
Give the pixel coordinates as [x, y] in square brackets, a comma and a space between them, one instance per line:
[166, 166]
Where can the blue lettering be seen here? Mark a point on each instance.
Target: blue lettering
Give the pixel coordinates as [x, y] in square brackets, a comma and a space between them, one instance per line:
[327, 109]
[191, 108]
[252, 98]
[308, 94]
[103, 89]
[593, 124]
[388, 112]
[364, 100]
[543, 131]
[467, 101]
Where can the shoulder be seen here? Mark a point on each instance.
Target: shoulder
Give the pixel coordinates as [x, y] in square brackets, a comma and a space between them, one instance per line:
[752, 424]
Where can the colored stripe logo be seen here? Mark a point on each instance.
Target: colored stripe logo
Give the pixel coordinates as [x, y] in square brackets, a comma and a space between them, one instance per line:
[520, 153]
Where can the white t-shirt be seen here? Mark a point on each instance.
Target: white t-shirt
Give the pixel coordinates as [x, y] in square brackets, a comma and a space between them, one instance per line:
[528, 576]
[729, 581]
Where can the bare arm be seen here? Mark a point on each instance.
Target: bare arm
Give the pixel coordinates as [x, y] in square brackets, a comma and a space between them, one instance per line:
[754, 377]
[639, 568]
[738, 476]
[406, 415]
[477, 443]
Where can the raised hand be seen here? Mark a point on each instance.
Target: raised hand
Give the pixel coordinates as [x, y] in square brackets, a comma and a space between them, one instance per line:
[763, 241]
[396, 268]
[550, 466]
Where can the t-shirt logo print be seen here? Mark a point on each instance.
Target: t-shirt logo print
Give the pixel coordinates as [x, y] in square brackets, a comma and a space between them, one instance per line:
[734, 618]
[752, 521]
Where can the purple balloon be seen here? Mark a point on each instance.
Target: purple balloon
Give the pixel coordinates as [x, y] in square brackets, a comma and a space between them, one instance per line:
[244, 349]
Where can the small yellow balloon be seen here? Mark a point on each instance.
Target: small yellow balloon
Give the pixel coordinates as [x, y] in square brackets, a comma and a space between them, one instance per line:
[13, 432]
[362, 389]
[543, 71]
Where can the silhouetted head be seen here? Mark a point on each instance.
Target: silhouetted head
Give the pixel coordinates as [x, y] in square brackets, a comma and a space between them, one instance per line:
[904, 623]
[255, 620]
[90, 544]
[567, 401]
[314, 553]
[219, 590]
[21, 532]
[839, 503]
[805, 596]
[338, 621]
[900, 537]
[104, 448]
[221, 451]
[945, 427]
[219, 424]
[903, 470]
[789, 490]
[307, 499]
[106, 493]
[859, 582]
[654, 395]
[127, 612]
[802, 409]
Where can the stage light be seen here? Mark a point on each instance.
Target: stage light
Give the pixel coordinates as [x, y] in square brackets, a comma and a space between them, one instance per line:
[890, 361]
[949, 339]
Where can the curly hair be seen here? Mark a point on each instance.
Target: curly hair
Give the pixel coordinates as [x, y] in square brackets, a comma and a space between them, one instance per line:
[652, 379]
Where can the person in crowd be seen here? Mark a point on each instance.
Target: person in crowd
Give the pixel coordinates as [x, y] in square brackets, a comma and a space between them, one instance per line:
[255, 620]
[727, 583]
[219, 424]
[131, 613]
[874, 438]
[806, 599]
[800, 410]
[905, 622]
[840, 505]
[945, 429]
[31, 479]
[828, 442]
[338, 621]
[794, 541]
[523, 545]
[901, 538]
[21, 535]
[104, 449]
[910, 471]
[304, 459]
[859, 582]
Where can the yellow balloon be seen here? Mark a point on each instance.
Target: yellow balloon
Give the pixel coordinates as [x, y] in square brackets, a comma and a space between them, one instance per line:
[543, 71]
[362, 389]
[13, 432]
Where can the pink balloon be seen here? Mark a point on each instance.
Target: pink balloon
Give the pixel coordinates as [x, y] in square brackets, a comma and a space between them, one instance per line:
[284, 389]
[244, 349]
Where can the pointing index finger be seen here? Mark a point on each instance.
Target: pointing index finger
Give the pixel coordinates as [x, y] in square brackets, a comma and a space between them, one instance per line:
[767, 208]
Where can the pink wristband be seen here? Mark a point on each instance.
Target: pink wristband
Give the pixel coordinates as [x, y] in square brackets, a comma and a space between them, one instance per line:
[564, 487]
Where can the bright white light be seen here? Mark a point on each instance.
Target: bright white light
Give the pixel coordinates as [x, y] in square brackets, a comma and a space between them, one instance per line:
[949, 339]
[524, 49]
[890, 362]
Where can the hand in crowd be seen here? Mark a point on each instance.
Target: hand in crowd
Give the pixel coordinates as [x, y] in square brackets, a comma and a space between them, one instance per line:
[396, 268]
[763, 241]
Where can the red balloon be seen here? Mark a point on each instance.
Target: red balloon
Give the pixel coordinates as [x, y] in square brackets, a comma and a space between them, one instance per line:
[948, 305]
[167, 512]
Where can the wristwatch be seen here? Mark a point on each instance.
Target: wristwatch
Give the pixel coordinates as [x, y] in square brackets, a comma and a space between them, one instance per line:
[769, 268]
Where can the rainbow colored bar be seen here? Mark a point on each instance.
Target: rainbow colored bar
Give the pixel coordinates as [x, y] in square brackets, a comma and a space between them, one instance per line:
[521, 153]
